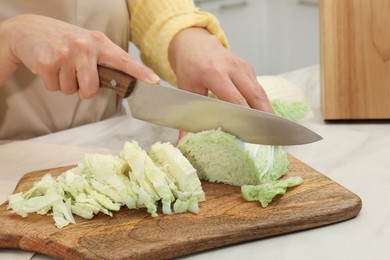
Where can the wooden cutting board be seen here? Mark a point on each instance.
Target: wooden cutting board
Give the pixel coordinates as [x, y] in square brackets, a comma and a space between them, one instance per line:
[224, 219]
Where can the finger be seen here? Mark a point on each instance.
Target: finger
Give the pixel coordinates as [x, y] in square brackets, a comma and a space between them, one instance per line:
[252, 91]
[51, 79]
[7, 70]
[113, 56]
[88, 79]
[184, 84]
[225, 90]
[68, 79]
[182, 134]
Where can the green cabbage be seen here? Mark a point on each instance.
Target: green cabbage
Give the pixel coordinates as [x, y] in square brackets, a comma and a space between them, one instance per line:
[181, 173]
[151, 184]
[291, 109]
[105, 183]
[265, 193]
[221, 157]
[287, 99]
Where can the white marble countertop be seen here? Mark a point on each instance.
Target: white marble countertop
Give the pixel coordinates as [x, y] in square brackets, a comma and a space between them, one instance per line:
[355, 155]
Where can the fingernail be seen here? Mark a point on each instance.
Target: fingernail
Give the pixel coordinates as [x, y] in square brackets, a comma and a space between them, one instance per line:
[154, 78]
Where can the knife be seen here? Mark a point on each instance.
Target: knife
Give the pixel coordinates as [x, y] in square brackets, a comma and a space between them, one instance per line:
[183, 110]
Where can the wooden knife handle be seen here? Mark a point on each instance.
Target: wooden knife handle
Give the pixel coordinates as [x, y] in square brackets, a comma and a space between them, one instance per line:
[116, 80]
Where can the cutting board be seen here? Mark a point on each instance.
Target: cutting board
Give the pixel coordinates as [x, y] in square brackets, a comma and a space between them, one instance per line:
[355, 55]
[225, 218]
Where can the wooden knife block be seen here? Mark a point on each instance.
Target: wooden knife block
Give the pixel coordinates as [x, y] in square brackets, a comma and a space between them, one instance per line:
[355, 59]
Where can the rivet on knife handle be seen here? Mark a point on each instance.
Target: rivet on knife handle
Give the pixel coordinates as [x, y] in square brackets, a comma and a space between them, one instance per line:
[118, 81]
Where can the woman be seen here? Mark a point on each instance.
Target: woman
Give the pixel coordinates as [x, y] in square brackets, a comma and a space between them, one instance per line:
[56, 45]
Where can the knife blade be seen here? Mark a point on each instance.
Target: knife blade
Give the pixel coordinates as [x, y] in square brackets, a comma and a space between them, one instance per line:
[183, 110]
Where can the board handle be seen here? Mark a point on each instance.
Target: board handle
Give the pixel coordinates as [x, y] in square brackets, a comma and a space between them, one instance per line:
[120, 82]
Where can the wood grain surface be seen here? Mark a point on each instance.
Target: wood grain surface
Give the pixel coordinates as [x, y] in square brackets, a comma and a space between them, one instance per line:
[355, 59]
[224, 219]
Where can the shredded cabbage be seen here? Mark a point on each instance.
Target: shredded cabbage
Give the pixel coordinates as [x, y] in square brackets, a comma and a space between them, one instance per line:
[104, 183]
[180, 174]
[150, 179]
[265, 193]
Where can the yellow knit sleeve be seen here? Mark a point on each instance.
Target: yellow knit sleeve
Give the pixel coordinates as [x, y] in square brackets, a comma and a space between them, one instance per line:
[154, 23]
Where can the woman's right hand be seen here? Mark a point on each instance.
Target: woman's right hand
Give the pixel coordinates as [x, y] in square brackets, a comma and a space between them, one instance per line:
[65, 56]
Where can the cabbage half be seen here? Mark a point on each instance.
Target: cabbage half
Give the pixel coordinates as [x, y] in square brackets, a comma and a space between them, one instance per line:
[221, 157]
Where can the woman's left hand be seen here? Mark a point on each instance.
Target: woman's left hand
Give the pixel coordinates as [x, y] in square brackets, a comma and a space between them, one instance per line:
[201, 63]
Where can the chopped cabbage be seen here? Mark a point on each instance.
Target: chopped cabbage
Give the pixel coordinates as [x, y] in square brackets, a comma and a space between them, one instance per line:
[104, 183]
[109, 170]
[22, 206]
[271, 161]
[265, 193]
[181, 173]
[62, 213]
[151, 180]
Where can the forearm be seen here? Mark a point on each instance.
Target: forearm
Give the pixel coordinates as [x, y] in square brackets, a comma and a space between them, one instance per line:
[165, 19]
